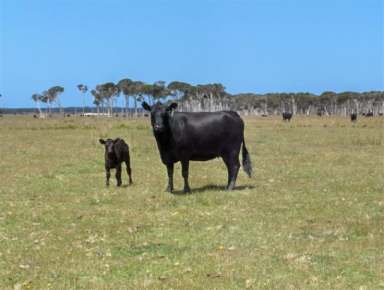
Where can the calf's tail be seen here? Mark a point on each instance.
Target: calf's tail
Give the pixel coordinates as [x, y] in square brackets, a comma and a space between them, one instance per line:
[247, 164]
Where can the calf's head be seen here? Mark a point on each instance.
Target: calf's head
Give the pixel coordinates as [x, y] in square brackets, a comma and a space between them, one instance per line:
[109, 143]
[160, 115]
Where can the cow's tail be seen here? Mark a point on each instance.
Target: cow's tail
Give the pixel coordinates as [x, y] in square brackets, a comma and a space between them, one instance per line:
[247, 164]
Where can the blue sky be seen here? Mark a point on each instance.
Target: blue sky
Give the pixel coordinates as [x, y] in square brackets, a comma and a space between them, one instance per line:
[249, 46]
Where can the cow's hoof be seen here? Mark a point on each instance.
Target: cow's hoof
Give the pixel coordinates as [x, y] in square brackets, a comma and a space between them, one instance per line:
[169, 189]
[187, 190]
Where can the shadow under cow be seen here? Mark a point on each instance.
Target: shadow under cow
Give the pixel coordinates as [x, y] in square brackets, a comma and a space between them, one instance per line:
[211, 187]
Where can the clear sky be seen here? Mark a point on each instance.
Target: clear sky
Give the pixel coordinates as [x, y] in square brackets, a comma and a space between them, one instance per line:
[247, 45]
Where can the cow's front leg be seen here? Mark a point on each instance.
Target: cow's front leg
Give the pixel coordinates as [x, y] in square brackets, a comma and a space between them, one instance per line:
[118, 175]
[107, 175]
[184, 173]
[170, 177]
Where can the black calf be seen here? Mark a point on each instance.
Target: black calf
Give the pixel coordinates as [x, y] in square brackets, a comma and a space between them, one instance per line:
[354, 117]
[287, 116]
[116, 152]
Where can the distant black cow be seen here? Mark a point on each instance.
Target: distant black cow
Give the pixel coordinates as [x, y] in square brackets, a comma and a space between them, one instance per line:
[354, 117]
[198, 137]
[116, 152]
[287, 116]
[369, 114]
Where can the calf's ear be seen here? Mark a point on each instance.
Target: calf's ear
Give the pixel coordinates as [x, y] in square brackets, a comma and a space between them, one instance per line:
[172, 107]
[146, 106]
[101, 141]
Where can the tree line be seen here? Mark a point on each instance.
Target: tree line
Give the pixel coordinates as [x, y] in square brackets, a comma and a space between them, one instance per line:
[214, 97]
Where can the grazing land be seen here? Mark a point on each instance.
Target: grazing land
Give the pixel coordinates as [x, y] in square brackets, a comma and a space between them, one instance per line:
[312, 217]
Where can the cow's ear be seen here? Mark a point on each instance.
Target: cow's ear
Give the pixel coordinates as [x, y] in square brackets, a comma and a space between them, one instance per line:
[172, 107]
[146, 106]
[101, 141]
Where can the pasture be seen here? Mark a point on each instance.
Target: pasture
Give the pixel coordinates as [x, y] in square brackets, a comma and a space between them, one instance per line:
[312, 217]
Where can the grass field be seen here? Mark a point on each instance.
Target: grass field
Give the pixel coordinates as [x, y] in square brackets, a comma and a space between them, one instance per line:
[312, 217]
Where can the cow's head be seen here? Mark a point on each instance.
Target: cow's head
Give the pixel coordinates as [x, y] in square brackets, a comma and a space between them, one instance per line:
[160, 115]
[109, 143]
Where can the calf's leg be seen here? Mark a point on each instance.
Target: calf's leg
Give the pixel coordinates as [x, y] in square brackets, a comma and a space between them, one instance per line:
[118, 175]
[170, 177]
[108, 175]
[184, 173]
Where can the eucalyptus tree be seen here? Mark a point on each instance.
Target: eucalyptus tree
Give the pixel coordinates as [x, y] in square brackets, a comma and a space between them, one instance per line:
[146, 90]
[37, 98]
[54, 93]
[83, 90]
[126, 88]
[159, 91]
[98, 100]
[138, 90]
[47, 99]
[108, 91]
[179, 89]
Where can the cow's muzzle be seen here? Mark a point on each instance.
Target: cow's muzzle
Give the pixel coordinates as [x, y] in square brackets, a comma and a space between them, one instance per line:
[158, 128]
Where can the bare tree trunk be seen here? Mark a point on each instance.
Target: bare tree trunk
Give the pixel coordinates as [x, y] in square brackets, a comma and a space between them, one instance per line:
[126, 105]
[135, 103]
[39, 109]
[83, 104]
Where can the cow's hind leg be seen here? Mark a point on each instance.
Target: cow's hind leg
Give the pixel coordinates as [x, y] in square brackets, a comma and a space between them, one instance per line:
[170, 177]
[233, 165]
[129, 171]
[118, 175]
[184, 173]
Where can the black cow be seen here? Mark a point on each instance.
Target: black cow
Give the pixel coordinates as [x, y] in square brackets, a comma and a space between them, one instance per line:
[198, 137]
[354, 117]
[287, 116]
[116, 152]
[369, 114]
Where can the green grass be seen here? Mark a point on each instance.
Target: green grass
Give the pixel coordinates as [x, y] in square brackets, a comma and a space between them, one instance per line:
[312, 217]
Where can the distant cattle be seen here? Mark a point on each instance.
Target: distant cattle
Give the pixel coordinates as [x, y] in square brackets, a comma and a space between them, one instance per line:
[380, 114]
[198, 137]
[116, 152]
[369, 114]
[353, 117]
[287, 116]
